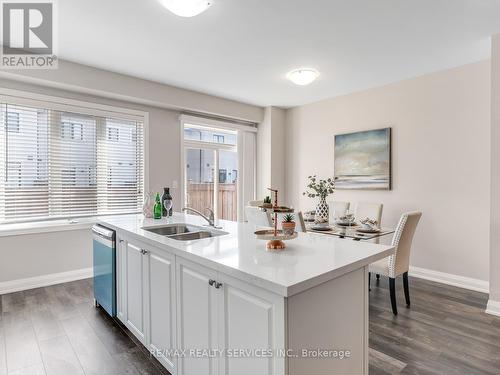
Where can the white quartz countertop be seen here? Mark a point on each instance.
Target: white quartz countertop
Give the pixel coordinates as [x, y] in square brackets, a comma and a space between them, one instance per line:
[307, 261]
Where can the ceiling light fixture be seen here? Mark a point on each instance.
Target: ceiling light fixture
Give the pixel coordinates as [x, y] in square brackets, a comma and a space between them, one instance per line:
[303, 76]
[186, 8]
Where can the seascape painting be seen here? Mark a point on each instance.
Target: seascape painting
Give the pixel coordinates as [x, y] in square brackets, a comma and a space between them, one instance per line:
[363, 160]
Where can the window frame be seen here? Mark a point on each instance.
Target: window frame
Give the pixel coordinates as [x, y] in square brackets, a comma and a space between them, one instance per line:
[29, 99]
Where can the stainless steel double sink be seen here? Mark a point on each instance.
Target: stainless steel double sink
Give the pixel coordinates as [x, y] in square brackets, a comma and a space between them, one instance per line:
[184, 232]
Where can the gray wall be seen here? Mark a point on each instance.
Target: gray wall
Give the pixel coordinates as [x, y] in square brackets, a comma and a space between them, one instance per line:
[39, 254]
[495, 175]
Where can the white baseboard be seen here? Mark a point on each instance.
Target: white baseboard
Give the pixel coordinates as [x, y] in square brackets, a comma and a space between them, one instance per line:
[493, 308]
[44, 280]
[450, 279]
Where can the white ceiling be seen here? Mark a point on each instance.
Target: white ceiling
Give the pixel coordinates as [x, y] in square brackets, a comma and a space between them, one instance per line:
[243, 49]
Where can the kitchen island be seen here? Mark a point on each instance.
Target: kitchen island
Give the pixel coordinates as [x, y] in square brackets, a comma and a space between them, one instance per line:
[225, 305]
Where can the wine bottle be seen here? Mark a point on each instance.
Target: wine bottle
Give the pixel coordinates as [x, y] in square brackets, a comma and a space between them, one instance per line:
[157, 209]
[166, 202]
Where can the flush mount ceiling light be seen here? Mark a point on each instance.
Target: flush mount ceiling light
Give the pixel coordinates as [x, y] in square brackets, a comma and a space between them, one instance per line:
[303, 76]
[186, 8]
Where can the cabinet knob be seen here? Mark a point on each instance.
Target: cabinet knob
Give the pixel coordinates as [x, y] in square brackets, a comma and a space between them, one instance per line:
[211, 282]
[218, 285]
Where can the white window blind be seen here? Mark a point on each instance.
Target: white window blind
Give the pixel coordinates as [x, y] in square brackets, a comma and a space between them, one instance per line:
[60, 164]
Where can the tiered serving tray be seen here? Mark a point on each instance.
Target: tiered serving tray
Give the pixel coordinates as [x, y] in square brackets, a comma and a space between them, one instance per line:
[274, 236]
[268, 234]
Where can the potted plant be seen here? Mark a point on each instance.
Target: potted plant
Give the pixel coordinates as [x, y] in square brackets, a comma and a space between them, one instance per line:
[321, 189]
[288, 224]
[267, 202]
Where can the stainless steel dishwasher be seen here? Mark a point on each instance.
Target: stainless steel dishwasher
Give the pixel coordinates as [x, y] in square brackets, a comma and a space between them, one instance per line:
[104, 253]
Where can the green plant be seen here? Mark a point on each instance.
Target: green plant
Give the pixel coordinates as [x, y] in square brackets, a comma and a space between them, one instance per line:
[288, 218]
[267, 199]
[319, 188]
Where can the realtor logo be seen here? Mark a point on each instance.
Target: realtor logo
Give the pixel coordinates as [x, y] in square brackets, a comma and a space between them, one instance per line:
[28, 35]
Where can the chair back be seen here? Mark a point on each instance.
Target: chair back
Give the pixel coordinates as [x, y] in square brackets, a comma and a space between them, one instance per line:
[399, 263]
[337, 209]
[255, 203]
[371, 211]
[258, 217]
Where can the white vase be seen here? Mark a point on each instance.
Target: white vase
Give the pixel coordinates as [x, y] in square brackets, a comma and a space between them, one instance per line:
[147, 206]
[322, 209]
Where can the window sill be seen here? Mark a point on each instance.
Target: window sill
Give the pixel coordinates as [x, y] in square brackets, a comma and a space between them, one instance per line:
[46, 226]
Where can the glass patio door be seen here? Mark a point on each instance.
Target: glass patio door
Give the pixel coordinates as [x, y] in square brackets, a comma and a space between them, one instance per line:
[200, 178]
[211, 171]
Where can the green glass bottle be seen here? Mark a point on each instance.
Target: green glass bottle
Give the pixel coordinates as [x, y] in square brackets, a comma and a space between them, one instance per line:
[157, 208]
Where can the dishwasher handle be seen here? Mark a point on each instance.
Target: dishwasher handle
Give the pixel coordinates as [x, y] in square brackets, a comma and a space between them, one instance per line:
[104, 235]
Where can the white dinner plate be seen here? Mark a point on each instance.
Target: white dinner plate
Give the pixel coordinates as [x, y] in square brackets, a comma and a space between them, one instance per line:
[321, 227]
[365, 230]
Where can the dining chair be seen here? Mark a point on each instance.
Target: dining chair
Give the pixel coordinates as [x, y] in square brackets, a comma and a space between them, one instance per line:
[371, 211]
[255, 215]
[300, 224]
[337, 209]
[255, 203]
[399, 263]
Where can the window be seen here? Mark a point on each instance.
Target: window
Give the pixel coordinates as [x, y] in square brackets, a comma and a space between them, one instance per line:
[209, 135]
[218, 138]
[222, 176]
[71, 130]
[62, 164]
[13, 122]
[113, 134]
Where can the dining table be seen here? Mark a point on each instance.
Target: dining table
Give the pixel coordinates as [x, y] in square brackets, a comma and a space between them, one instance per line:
[353, 231]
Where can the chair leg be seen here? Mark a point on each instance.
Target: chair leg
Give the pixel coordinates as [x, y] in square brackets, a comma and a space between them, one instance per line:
[392, 288]
[369, 281]
[407, 290]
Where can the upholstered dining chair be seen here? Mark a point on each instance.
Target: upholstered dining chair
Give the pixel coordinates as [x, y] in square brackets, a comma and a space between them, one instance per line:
[255, 203]
[371, 211]
[258, 217]
[337, 209]
[399, 263]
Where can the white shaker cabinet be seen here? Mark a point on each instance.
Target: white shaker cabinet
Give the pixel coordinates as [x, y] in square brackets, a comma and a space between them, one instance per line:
[161, 301]
[252, 319]
[196, 317]
[146, 296]
[136, 291]
[217, 311]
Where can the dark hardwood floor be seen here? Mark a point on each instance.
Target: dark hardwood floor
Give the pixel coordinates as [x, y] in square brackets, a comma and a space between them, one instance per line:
[56, 331]
[446, 331]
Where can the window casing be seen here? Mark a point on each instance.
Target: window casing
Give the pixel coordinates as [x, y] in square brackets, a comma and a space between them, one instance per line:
[59, 163]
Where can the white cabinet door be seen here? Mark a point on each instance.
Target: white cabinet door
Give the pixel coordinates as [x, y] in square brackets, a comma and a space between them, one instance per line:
[136, 292]
[161, 280]
[121, 272]
[196, 317]
[250, 319]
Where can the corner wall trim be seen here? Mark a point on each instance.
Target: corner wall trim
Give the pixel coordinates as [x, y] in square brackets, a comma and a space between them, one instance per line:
[44, 280]
[450, 279]
[493, 308]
